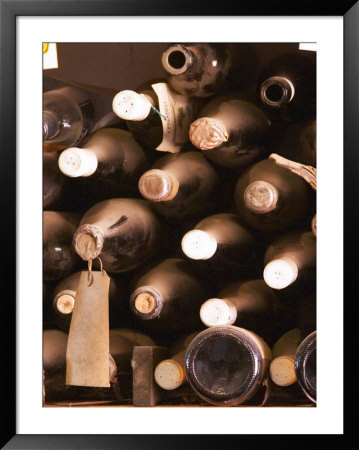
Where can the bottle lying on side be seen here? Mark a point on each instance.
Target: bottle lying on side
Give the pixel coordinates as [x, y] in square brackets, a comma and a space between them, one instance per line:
[291, 259]
[167, 298]
[272, 199]
[181, 186]
[71, 112]
[53, 182]
[227, 365]
[156, 115]
[110, 162]
[231, 131]
[123, 232]
[59, 256]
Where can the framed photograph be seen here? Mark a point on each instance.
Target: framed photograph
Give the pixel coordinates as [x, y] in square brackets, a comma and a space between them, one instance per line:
[78, 40]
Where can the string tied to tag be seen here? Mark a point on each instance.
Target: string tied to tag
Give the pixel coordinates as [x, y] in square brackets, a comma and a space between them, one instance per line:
[90, 277]
[308, 173]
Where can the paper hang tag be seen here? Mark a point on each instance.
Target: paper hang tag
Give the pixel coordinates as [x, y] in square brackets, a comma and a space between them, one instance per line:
[87, 357]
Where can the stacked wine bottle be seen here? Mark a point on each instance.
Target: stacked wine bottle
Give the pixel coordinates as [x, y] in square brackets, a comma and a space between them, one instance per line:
[196, 194]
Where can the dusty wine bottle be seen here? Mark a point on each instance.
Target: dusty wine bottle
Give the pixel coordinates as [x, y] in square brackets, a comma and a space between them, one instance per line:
[225, 243]
[226, 365]
[53, 181]
[306, 366]
[124, 232]
[181, 185]
[157, 116]
[287, 86]
[59, 256]
[70, 113]
[230, 131]
[272, 199]
[199, 69]
[290, 259]
[111, 160]
[64, 297]
[170, 373]
[168, 297]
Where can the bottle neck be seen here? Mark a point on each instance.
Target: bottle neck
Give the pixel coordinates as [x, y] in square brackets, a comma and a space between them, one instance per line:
[78, 162]
[282, 371]
[51, 125]
[88, 242]
[158, 185]
[276, 91]
[217, 311]
[261, 197]
[280, 273]
[198, 244]
[129, 105]
[207, 133]
[146, 302]
[179, 59]
[65, 301]
[169, 374]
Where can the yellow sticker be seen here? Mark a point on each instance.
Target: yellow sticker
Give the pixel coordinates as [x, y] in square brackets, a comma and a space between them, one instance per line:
[49, 55]
[45, 47]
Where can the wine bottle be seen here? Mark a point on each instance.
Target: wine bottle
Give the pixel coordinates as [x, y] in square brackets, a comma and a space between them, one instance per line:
[64, 297]
[167, 298]
[202, 69]
[306, 366]
[110, 160]
[59, 256]
[170, 373]
[226, 365]
[272, 199]
[249, 304]
[231, 132]
[54, 350]
[157, 116]
[287, 86]
[181, 185]
[71, 112]
[222, 239]
[124, 232]
[53, 182]
[290, 259]
[314, 224]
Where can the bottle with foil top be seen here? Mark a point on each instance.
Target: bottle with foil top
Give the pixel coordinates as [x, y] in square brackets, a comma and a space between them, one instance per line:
[167, 297]
[59, 256]
[181, 185]
[157, 116]
[272, 199]
[71, 112]
[198, 69]
[109, 159]
[306, 365]
[123, 232]
[170, 373]
[229, 247]
[290, 259]
[287, 86]
[231, 131]
[227, 365]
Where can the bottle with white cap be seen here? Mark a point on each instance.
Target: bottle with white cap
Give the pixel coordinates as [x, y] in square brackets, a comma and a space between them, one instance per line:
[249, 304]
[181, 185]
[170, 373]
[110, 159]
[227, 365]
[123, 232]
[290, 259]
[229, 246]
[64, 298]
[166, 299]
[59, 256]
[231, 131]
[201, 69]
[157, 116]
[287, 86]
[71, 112]
[272, 199]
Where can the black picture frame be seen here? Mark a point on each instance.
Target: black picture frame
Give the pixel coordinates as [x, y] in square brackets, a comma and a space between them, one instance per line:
[9, 11]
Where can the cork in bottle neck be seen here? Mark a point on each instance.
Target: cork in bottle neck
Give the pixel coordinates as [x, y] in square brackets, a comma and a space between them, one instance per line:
[282, 371]
[261, 197]
[65, 301]
[146, 302]
[280, 273]
[169, 374]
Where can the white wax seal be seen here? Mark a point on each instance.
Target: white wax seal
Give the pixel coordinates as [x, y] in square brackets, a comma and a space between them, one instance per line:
[280, 273]
[216, 311]
[77, 162]
[129, 105]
